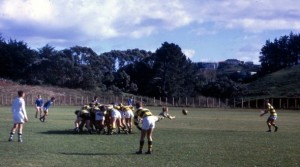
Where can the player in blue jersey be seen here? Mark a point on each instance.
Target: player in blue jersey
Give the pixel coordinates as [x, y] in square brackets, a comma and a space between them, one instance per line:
[130, 101]
[38, 106]
[46, 107]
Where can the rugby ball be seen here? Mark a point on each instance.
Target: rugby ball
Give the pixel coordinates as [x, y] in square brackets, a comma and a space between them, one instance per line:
[184, 112]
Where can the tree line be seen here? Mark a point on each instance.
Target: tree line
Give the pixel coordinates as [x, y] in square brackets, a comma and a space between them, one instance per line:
[167, 72]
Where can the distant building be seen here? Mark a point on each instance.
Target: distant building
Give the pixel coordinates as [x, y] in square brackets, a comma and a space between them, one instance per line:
[233, 62]
[209, 65]
[249, 63]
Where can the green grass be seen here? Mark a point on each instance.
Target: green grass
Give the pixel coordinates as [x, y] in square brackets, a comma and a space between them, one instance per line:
[205, 137]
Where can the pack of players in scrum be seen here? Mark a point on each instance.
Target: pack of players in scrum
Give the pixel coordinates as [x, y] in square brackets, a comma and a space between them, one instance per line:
[109, 118]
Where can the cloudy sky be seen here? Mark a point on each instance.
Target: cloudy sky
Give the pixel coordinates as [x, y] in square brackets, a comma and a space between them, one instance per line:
[206, 30]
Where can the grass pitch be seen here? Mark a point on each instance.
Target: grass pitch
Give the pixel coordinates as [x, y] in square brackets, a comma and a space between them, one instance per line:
[205, 137]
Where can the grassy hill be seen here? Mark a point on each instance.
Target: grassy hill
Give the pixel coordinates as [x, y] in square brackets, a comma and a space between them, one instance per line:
[283, 83]
[8, 87]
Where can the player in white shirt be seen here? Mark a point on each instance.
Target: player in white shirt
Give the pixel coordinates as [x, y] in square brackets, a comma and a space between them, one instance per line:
[19, 116]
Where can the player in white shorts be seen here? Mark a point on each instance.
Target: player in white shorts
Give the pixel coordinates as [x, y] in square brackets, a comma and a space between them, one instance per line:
[19, 116]
[100, 118]
[128, 114]
[148, 124]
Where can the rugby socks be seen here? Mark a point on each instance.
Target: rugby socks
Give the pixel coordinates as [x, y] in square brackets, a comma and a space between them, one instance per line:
[149, 147]
[20, 139]
[141, 145]
[11, 136]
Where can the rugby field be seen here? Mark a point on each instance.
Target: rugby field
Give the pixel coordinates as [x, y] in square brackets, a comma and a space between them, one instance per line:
[205, 137]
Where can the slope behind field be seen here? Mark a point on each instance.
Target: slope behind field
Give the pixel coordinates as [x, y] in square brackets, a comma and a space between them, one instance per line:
[8, 87]
[283, 83]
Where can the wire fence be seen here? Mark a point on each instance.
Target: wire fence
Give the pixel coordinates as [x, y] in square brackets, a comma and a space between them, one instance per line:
[197, 102]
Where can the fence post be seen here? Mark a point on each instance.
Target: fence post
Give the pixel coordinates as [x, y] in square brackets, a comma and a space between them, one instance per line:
[226, 102]
[185, 101]
[249, 101]
[193, 102]
[173, 101]
[154, 101]
[207, 102]
[159, 100]
[242, 103]
[256, 105]
[166, 103]
[233, 102]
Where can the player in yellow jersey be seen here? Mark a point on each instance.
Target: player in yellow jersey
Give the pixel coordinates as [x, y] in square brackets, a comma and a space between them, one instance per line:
[82, 117]
[128, 115]
[273, 116]
[148, 124]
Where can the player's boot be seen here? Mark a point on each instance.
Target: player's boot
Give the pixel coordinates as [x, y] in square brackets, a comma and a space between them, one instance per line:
[148, 152]
[139, 152]
[276, 128]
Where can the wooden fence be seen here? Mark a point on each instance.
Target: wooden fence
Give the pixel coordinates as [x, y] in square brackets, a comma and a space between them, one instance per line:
[201, 102]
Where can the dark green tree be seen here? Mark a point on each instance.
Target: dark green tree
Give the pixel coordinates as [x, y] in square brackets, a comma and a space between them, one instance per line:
[171, 71]
[281, 53]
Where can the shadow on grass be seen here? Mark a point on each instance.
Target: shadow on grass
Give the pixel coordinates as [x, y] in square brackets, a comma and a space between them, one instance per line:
[59, 132]
[89, 154]
[71, 132]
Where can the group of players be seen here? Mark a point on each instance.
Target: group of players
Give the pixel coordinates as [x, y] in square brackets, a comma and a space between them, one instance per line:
[109, 118]
[104, 119]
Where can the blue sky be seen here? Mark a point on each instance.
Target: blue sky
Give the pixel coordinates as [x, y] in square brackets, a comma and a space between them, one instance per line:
[210, 30]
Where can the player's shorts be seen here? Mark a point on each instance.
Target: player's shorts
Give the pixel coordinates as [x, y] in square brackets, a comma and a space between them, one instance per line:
[115, 114]
[38, 107]
[272, 117]
[129, 114]
[92, 115]
[45, 110]
[85, 116]
[149, 122]
[122, 114]
[99, 116]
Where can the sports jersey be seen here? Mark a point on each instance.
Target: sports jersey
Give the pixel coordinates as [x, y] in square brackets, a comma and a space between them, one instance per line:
[39, 102]
[130, 102]
[48, 104]
[18, 110]
[271, 110]
[143, 112]
[127, 108]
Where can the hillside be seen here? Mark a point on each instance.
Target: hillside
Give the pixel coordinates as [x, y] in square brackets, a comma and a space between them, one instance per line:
[8, 87]
[283, 83]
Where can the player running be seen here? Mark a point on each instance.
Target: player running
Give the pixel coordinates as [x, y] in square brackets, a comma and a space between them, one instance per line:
[46, 109]
[272, 117]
